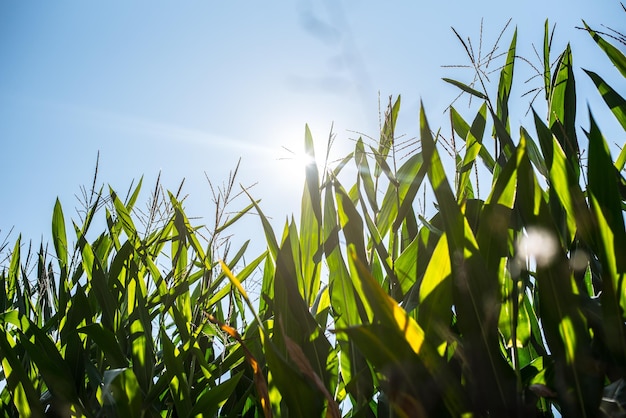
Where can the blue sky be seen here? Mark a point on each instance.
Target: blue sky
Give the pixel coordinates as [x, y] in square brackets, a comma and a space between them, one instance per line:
[188, 88]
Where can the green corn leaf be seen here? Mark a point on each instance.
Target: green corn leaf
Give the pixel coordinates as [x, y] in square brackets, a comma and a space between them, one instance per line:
[124, 215]
[410, 176]
[610, 238]
[438, 181]
[409, 179]
[435, 294]
[476, 313]
[504, 140]
[533, 320]
[301, 399]
[387, 137]
[364, 174]
[494, 241]
[52, 367]
[565, 331]
[334, 173]
[562, 109]
[343, 301]
[524, 330]
[321, 306]
[411, 265]
[133, 196]
[312, 175]
[409, 229]
[59, 237]
[117, 267]
[460, 126]
[47, 300]
[309, 246]
[234, 219]
[563, 181]
[140, 338]
[237, 284]
[547, 42]
[106, 341]
[178, 385]
[350, 221]
[385, 309]
[211, 399]
[390, 354]
[217, 282]
[353, 231]
[40, 349]
[114, 227]
[97, 280]
[121, 393]
[267, 286]
[389, 314]
[102, 246]
[381, 164]
[12, 285]
[615, 55]
[180, 269]
[614, 101]
[473, 145]
[534, 154]
[294, 316]
[215, 295]
[186, 231]
[78, 313]
[466, 88]
[294, 242]
[383, 256]
[505, 84]
[23, 393]
[621, 160]
[310, 224]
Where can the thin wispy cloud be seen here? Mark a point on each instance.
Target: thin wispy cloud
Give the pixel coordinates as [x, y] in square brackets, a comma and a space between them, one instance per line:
[141, 128]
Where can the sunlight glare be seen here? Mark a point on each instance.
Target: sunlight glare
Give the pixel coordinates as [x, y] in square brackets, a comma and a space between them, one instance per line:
[293, 165]
[538, 244]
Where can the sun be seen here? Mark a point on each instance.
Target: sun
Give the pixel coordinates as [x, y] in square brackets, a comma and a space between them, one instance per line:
[292, 159]
[293, 164]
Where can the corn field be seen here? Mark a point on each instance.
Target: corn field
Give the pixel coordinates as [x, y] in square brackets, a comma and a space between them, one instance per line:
[507, 306]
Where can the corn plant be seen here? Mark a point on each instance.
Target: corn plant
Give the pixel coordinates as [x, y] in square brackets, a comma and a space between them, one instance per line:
[120, 326]
[508, 306]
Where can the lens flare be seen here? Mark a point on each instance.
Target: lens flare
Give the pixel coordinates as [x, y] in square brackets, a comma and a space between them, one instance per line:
[537, 244]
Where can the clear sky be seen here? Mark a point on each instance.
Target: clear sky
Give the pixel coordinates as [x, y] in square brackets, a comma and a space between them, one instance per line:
[190, 87]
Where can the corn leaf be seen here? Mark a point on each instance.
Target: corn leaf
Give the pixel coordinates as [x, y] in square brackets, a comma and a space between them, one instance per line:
[476, 313]
[506, 83]
[562, 109]
[211, 399]
[614, 101]
[610, 238]
[179, 388]
[389, 314]
[473, 146]
[122, 393]
[466, 88]
[106, 341]
[563, 323]
[615, 55]
[435, 294]
[24, 396]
